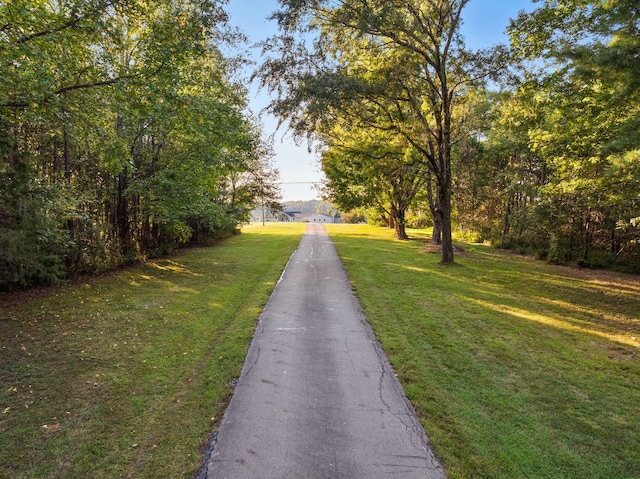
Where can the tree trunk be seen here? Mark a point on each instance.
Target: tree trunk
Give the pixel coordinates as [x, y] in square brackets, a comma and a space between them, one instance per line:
[122, 214]
[507, 221]
[587, 234]
[445, 213]
[436, 235]
[401, 232]
[56, 159]
[393, 221]
[398, 215]
[67, 156]
[444, 162]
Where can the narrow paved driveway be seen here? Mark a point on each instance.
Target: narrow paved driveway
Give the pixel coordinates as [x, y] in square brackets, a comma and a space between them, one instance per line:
[317, 397]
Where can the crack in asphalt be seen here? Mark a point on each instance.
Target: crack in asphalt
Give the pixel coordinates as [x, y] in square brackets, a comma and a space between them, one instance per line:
[250, 368]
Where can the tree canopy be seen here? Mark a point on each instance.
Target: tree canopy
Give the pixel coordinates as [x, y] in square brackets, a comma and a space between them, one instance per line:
[396, 67]
[122, 134]
[562, 141]
[545, 161]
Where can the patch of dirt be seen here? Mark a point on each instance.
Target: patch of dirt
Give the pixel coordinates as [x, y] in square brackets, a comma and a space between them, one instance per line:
[21, 296]
[437, 248]
[617, 353]
[615, 278]
[16, 298]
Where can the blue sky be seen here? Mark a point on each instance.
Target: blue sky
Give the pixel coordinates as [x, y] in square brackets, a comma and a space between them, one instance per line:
[485, 23]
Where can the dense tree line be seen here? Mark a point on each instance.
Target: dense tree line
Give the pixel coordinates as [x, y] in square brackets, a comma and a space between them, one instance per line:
[558, 171]
[122, 135]
[533, 147]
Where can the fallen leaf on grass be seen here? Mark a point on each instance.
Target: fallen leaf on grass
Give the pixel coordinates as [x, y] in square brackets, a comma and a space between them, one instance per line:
[51, 428]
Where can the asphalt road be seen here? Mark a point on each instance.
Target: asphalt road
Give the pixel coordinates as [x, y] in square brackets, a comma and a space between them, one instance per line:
[317, 397]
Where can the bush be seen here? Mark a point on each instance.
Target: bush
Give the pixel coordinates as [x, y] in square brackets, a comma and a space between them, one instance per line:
[31, 242]
[27, 257]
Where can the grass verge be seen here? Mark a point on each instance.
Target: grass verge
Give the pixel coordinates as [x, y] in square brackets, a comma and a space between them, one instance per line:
[125, 376]
[517, 368]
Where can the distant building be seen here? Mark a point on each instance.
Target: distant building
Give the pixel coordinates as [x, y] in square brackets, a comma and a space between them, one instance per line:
[270, 217]
[320, 218]
[285, 216]
[297, 216]
[293, 215]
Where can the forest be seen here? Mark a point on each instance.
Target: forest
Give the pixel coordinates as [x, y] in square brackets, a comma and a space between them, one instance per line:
[532, 146]
[124, 134]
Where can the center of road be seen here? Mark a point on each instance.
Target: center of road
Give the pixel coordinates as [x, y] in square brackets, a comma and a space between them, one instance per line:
[317, 397]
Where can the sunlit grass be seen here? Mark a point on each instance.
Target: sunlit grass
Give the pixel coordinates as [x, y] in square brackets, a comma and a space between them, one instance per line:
[517, 368]
[127, 375]
[570, 324]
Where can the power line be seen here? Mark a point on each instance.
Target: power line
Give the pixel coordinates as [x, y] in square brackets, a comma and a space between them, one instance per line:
[300, 182]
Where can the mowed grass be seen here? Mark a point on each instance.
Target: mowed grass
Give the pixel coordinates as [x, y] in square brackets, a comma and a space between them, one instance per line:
[127, 375]
[517, 368]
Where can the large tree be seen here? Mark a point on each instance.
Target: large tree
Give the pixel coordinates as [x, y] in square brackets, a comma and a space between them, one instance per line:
[390, 65]
[368, 168]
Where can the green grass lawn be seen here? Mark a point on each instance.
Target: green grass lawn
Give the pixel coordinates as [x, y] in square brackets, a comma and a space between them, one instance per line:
[127, 375]
[517, 368]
